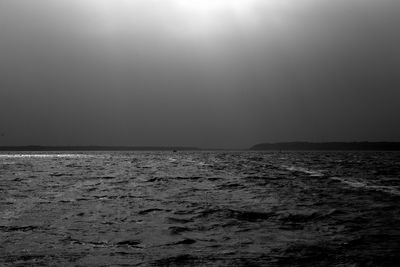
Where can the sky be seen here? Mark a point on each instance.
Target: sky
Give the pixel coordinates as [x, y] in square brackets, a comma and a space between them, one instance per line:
[206, 73]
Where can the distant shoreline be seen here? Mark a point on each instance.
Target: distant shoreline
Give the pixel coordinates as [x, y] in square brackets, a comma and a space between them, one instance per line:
[329, 146]
[282, 146]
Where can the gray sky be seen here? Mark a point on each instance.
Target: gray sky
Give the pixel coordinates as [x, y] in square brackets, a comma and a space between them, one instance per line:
[208, 73]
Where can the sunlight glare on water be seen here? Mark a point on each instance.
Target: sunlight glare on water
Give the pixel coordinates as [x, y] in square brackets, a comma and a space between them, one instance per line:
[42, 155]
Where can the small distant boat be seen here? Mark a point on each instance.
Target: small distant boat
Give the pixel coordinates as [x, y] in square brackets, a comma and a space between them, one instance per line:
[174, 150]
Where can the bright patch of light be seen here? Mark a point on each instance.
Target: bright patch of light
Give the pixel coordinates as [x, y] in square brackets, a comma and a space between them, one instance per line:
[201, 17]
[207, 6]
[41, 155]
[180, 17]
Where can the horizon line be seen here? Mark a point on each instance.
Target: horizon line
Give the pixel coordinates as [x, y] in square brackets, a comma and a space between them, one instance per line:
[290, 145]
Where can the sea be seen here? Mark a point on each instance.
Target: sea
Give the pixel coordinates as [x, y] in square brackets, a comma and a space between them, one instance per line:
[201, 208]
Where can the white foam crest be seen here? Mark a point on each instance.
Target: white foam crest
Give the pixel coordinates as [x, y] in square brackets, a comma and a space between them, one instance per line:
[352, 182]
[303, 170]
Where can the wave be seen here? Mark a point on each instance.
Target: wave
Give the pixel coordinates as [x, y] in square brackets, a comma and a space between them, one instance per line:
[356, 183]
[250, 216]
[303, 170]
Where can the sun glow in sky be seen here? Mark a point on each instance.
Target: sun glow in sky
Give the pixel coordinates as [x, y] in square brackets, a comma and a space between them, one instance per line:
[200, 18]
[215, 9]
[207, 73]
[205, 16]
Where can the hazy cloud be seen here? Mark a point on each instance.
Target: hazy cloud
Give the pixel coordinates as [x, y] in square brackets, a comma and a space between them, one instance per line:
[226, 74]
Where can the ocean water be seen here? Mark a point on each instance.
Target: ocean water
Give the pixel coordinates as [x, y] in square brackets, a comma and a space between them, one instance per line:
[200, 209]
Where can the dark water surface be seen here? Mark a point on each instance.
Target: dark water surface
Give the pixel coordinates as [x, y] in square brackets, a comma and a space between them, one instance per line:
[200, 209]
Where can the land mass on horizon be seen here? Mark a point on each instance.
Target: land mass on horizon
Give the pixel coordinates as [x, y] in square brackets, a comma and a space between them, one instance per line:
[374, 146]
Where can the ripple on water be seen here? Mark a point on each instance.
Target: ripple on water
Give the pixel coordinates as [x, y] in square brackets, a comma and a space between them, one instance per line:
[200, 208]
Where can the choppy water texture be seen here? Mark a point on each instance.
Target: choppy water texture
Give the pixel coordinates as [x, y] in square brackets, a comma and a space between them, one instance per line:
[200, 209]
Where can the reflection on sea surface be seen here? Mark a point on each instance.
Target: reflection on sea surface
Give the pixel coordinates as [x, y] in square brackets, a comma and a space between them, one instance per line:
[200, 208]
